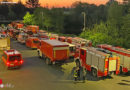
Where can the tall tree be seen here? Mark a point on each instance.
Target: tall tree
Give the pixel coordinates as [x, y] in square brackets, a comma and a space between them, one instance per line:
[11, 14]
[32, 3]
[19, 9]
[115, 14]
[43, 18]
[4, 9]
[58, 19]
[125, 31]
[29, 19]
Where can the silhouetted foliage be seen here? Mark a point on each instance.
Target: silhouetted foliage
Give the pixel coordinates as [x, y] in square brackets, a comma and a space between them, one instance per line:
[32, 3]
[115, 31]
[109, 23]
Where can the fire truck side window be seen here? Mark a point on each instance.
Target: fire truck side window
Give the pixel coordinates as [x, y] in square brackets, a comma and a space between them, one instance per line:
[82, 52]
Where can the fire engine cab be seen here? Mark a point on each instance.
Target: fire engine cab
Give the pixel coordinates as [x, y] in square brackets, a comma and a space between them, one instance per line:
[12, 59]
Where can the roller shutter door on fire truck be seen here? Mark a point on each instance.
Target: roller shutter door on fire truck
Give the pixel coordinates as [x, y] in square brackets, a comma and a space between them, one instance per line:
[127, 62]
[101, 63]
[95, 60]
[89, 56]
[121, 59]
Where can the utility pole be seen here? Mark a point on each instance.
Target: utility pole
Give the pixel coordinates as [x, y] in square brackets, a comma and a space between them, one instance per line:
[84, 20]
[42, 18]
[84, 14]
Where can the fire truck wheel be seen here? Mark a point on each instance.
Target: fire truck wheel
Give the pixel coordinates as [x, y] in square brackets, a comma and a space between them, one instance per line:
[77, 63]
[94, 72]
[48, 61]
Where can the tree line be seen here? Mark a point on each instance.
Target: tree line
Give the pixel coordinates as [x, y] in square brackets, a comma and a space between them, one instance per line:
[115, 30]
[109, 23]
[16, 11]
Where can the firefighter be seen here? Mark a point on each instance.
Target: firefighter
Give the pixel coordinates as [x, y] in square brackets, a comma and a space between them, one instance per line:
[77, 74]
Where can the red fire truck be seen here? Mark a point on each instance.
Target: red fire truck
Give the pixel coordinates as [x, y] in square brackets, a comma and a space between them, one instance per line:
[122, 53]
[99, 62]
[53, 51]
[13, 33]
[22, 37]
[62, 39]
[32, 28]
[72, 49]
[69, 39]
[12, 59]
[19, 25]
[32, 42]
[39, 43]
[53, 36]
[42, 34]
[82, 41]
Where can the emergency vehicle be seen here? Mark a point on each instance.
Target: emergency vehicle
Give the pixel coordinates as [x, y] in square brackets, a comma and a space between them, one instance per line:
[122, 53]
[12, 59]
[42, 34]
[98, 61]
[53, 36]
[53, 51]
[22, 37]
[32, 28]
[69, 39]
[62, 39]
[4, 42]
[19, 25]
[32, 42]
[72, 49]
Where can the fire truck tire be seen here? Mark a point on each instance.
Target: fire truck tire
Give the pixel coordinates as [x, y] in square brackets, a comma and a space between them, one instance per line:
[77, 63]
[94, 72]
[48, 61]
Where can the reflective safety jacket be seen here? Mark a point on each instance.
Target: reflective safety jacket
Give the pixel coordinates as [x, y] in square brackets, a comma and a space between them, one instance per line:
[75, 74]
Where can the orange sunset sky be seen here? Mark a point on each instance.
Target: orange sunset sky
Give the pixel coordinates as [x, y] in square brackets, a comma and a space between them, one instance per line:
[65, 3]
